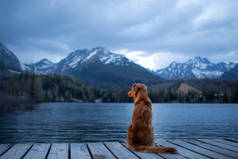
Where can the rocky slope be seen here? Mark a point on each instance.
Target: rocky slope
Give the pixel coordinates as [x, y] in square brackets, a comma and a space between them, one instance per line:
[8, 60]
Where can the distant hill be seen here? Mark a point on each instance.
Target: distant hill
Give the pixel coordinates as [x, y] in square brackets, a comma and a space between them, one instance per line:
[8, 60]
[194, 68]
[232, 74]
[184, 88]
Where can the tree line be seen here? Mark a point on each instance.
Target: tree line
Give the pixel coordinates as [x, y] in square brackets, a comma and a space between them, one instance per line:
[60, 88]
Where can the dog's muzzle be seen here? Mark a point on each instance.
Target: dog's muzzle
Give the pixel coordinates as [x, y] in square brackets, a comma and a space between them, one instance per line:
[130, 94]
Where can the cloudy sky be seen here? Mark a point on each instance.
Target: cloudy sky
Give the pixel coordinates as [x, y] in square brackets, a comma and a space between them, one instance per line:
[153, 33]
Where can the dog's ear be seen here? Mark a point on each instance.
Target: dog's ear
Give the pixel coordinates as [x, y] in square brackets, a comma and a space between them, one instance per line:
[137, 91]
[136, 88]
[134, 85]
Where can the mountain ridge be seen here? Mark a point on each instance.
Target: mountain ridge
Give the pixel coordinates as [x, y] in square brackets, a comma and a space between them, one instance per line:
[100, 68]
[44, 66]
[197, 67]
[78, 62]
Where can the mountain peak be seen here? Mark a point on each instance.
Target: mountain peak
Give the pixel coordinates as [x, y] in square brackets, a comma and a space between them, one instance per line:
[45, 61]
[43, 66]
[101, 50]
[173, 64]
[198, 67]
[198, 59]
[98, 55]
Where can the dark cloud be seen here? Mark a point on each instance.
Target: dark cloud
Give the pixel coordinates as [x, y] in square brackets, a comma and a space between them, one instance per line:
[33, 29]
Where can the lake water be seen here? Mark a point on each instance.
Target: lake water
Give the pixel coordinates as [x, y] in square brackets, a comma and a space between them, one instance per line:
[86, 122]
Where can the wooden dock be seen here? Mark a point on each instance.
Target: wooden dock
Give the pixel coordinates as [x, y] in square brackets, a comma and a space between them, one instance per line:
[187, 149]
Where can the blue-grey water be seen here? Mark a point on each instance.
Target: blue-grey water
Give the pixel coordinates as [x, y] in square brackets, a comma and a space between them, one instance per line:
[86, 122]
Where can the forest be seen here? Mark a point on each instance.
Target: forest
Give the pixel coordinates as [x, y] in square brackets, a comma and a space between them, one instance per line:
[31, 88]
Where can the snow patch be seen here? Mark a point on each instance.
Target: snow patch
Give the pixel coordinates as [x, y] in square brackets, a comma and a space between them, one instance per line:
[75, 61]
[14, 71]
[113, 58]
[206, 74]
[47, 62]
[90, 55]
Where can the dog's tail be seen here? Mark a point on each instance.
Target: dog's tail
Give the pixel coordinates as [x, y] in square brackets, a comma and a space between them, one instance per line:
[153, 149]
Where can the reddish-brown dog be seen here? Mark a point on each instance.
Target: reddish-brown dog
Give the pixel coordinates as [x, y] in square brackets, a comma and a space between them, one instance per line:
[140, 136]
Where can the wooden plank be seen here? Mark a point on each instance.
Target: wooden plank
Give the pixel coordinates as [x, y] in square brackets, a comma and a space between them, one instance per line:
[144, 155]
[79, 150]
[58, 151]
[227, 142]
[182, 151]
[198, 149]
[171, 156]
[16, 152]
[120, 151]
[214, 148]
[3, 148]
[218, 144]
[232, 140]
[99, 151]
[38, 151]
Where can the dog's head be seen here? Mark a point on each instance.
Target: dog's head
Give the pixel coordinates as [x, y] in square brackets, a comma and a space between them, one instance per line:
[136, 89]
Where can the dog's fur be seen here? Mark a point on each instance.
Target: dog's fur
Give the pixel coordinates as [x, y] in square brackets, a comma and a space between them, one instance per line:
[140, 136]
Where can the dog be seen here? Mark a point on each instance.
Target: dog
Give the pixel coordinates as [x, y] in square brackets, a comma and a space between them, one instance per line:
[140, 135]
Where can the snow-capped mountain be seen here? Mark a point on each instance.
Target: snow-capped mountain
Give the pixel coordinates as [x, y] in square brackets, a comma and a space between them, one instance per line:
[80, 58]
[194, 68]
[101, 68]
[8, 59]
[97, 67]
[44, 66]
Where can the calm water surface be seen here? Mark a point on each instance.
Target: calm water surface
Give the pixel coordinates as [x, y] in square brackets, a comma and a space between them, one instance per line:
[86, 122]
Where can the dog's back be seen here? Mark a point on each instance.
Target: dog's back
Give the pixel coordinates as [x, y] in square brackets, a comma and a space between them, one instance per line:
[140, 136]
[140, 132]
